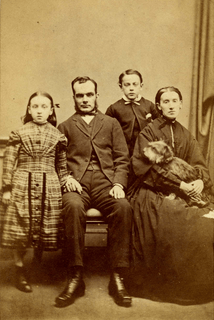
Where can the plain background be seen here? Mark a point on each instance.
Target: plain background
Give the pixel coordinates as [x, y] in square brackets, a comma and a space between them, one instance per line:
[45, 44]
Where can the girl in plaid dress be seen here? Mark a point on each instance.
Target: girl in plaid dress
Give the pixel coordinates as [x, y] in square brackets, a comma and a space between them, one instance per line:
[34, 170]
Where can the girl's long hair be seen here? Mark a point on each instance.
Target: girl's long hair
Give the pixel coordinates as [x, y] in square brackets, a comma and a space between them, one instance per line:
[52, 118]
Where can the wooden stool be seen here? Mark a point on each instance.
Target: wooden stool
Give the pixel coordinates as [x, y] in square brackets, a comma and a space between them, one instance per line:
[96, 229]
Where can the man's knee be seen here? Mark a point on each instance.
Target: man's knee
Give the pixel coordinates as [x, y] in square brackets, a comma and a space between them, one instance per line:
[72, 205]
[123, 209]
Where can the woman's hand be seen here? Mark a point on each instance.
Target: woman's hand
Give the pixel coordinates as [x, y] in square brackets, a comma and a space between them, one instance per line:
[192, 189]
[198, 186]
[186, 187]
[6, 197]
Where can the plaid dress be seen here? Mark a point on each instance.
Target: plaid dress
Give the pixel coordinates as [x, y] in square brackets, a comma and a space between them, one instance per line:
[34, 169]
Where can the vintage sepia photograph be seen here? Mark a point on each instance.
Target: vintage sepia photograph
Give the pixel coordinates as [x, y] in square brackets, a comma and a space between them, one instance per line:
[107, 160]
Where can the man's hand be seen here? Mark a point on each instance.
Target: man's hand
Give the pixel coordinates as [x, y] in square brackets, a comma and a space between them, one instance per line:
[6, 197]
[117, 192]
[72, 185]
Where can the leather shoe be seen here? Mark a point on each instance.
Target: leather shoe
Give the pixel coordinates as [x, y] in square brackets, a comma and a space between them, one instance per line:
[75, 288]
[21, 281]
[118, 292]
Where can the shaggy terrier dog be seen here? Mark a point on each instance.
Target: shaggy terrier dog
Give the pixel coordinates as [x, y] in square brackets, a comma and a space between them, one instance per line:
[160, 153]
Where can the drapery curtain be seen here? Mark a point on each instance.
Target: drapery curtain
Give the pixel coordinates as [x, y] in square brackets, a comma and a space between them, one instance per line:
[201, 122]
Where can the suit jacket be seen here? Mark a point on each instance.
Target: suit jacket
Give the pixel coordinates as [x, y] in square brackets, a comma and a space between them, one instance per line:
[108, 141]
[127, 113]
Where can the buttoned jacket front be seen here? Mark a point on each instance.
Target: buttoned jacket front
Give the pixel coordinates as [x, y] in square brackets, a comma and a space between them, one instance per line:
[126, 114]
[108, 142]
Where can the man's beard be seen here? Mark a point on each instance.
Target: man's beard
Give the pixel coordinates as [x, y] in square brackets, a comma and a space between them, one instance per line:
[93, 111]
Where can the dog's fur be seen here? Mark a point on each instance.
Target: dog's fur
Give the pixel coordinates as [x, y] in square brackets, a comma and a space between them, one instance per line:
[160, 153]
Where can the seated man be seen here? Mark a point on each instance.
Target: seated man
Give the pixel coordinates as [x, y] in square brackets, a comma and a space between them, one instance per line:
[97, 159]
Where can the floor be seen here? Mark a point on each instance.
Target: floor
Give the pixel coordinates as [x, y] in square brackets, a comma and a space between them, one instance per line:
[48, 280]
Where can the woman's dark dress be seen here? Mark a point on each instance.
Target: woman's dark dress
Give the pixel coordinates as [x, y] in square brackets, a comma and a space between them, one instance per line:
[169, 237]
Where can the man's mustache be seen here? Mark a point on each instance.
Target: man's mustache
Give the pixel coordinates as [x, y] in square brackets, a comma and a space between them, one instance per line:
[78, 109]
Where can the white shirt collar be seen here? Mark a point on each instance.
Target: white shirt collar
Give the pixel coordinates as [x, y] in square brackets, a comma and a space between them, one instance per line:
[128, 100]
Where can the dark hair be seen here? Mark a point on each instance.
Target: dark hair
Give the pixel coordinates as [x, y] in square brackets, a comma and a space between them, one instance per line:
[130, 71]
[52, 118]
[165, 89]
[83, 80]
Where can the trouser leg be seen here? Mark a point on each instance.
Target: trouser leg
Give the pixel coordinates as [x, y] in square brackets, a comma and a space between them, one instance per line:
[74, 217]
[119, 233]
[119, 217]
[118, 212]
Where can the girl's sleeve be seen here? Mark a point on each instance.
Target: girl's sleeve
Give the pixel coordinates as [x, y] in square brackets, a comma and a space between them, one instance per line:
[151, 174]
[61, 160]
[9, 161]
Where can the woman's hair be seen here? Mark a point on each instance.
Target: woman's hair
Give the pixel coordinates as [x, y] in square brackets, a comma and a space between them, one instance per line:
[52, 118]
[165, 89]
[127, 72]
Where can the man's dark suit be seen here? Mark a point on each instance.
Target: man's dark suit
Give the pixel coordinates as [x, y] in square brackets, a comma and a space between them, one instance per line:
[108, 142]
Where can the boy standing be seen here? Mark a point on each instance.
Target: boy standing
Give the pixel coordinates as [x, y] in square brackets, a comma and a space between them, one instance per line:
[132, 111]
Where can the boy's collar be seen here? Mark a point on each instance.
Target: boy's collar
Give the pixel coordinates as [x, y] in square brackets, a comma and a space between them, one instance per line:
[127, 101]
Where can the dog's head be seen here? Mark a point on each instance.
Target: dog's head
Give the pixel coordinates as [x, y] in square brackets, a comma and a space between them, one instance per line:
[158, 152]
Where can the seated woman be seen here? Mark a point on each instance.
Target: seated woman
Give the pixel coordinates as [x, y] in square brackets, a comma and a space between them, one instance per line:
[171, 237]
